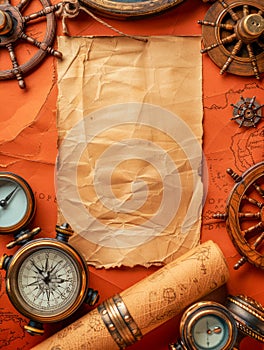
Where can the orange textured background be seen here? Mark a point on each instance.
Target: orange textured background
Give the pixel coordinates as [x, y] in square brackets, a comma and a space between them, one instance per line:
[28, 147]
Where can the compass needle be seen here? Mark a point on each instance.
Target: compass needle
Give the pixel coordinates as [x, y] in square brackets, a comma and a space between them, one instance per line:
[208, 325]
[4, 202]
[17, 205]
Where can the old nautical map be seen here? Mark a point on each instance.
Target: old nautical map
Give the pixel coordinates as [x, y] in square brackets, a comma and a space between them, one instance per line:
[229, 146]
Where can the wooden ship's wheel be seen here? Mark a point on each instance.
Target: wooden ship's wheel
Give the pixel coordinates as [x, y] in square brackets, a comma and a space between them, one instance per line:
[13, 31]
[245, 215]
[233, 37]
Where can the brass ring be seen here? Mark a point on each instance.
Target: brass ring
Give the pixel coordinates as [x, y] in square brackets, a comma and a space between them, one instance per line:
[110, 326]
[130, 322]
[119, 322]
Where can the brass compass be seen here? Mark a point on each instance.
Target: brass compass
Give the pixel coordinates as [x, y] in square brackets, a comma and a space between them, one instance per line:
[47, 279]
[206, 325]
[17, 203]
[213, 326]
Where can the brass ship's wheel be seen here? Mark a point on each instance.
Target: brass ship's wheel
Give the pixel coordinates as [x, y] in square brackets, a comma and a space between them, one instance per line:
[233, 36]
[245, 215]
[13, 31]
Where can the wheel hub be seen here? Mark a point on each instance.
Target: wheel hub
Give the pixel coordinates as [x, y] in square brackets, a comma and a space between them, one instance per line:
[11, 24]
[250, 28]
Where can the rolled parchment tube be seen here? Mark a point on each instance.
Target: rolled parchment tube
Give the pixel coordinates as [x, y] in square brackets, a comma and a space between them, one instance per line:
[123, 319]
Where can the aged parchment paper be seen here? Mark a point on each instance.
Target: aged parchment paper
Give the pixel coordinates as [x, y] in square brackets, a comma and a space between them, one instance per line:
[130, 130]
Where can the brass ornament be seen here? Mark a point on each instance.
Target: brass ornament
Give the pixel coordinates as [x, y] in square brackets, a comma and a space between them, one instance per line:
[206, 325]
[249, 316]
[244, 215]
[210, 325]
[232, 34]
[119, 322]
[47, 279]
[247, 112]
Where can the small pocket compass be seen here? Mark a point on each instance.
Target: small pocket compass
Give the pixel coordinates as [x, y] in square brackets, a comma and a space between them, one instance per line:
[17, 203]
[47, 279]
[206, 325]
[212, 326]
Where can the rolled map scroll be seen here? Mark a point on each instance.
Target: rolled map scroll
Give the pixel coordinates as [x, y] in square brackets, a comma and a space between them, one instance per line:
[123, 319]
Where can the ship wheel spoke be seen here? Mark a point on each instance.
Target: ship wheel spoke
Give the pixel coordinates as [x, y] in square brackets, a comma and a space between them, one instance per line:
[257, 108]
[22, 4]
[232, 56]
[253, 61]
[228, 40]
[253, 230]
[259, 189]
[41, 45]
[250, 216]
[232, 36]
[41, 13]
[15, 65]
[253, 201]
[257, 244]
[251, 102]
[233, 15]
[226, 26]
[245, 10]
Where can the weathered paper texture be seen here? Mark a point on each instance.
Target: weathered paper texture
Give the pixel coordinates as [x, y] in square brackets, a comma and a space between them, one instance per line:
[130, 130]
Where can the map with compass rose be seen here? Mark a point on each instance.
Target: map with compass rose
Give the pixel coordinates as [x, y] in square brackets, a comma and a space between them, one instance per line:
[236, 147]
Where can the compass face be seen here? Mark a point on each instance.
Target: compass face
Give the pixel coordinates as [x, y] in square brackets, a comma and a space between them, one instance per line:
[208, 325]
[15, 209]
[210, 332]
[47, 280]
[17, 203]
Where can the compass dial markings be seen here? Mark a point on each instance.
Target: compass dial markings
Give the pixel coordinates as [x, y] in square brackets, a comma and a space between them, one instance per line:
[53, 286]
